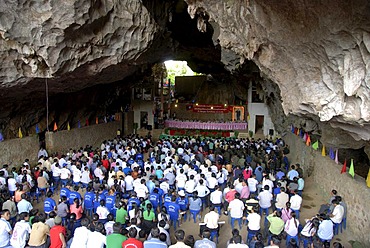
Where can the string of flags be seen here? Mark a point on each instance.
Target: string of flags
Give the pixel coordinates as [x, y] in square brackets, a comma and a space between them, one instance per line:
[332, 154]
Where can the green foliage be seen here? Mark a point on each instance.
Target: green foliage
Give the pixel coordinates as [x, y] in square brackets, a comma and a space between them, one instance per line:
[251, 133]
[177, 68]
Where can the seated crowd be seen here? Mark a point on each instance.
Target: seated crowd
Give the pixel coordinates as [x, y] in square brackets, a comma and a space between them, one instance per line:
[130, 191]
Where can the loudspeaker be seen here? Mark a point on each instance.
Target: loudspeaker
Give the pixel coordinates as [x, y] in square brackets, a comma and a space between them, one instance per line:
[271, 132]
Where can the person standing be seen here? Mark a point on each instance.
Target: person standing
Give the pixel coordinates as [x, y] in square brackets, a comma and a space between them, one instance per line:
[5, 228]
[39, 233]
[236, 208]
[58, 234]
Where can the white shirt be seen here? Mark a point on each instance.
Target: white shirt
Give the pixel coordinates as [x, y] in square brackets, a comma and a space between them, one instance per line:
[281, 200]
[5, 228]
[212, 182]
[338, 213]
[291, 228]
[216, 197]
[236, 207]
[109, 227]
[190, 186]
[141, 191]
[83, 234]
[265, 198]
[211, 219]
[21, 229]
[252, 184]
[254, 221]
[165, 187]
[12, 184]
[95, 240]
[64, 173]
[295, 202]
[129, 182]
[181, 180]
[99, 173]
[102, 212]
[202, 190]
[85, 177]
[77, 175]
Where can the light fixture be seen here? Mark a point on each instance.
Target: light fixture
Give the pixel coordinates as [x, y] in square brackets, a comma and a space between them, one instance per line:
[175, 105]
[225, 104]
[196, 104]
[212, 107]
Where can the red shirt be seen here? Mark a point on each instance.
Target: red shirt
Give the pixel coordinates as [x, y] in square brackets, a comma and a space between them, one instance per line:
[230, 195]
[105, 164]
[132, 243]
[55, 241]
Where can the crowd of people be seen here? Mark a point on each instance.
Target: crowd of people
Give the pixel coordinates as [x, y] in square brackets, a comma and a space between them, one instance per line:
[132, 192]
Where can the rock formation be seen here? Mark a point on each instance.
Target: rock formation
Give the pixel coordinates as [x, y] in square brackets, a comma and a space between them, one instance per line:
[313, 57]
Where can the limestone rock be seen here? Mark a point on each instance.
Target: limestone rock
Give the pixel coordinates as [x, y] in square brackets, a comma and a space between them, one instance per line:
[320, 64]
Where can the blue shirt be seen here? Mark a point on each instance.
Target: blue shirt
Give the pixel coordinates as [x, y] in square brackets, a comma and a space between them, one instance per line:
[131, 201]
[292, 174]
[159, 174]
[325, 231]
[150, 186]
[173, 210]
[64, 192]
[24, 206]
[109, 202]
[183, 203]
[49, 205]
[97, 201]
[73, 195]
[154, 243]
[154, 199]
[204, 243]
[88, 200]
[195, 204]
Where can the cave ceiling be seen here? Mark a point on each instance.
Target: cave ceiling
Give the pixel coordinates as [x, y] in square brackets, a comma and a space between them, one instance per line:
[312, 57]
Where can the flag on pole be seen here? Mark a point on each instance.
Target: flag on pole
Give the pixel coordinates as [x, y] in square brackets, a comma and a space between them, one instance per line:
[331, 153]
[55, 127]
[344, 167]
[368, 179]
[305, 137]
[87, 122]
[323, 152]
[297, 133]
[68, 126]
[292, 128]
[96, 120]
[301, 133]
[336, 156]
[20, 135]
[315, 145]
[37, 128]
[79, 124]
[308, 141]
[1, 137]
[352, 169]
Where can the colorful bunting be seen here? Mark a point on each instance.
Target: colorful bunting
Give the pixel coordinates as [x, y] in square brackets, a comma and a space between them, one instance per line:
[352, 169]
[20, 135]
[308, 141]
[55, 127]
[79, 124]
[305, 137]
[1, 137]
[331, 154]
[323, 152]
[96, 120]
[292, 128]
[68, 126]
[37, 128]
[336, 157]
[344, 167]
[315, 145]
[368, 179]
[301, 133]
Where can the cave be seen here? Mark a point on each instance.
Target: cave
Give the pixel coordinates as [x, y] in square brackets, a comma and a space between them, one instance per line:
[313, 65]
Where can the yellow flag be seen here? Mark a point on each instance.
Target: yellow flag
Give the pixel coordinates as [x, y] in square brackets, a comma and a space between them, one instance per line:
[20, 135]
[368, 179]
[68, 127]
[323, 153]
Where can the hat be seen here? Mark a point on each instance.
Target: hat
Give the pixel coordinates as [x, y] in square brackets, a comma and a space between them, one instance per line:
[181, 193]
[57, 220]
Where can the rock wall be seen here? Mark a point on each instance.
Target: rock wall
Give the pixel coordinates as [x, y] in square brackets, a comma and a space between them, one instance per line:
[326, 174]
[80, 137]
[320, 64]
[14, 151]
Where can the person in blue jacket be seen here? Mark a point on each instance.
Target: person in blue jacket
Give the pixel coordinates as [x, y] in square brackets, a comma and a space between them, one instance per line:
[74, 194]
[89, 201]
[49, 203]
[173, 210]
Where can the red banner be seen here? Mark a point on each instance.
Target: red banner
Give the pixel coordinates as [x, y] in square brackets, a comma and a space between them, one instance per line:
[209, 108]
